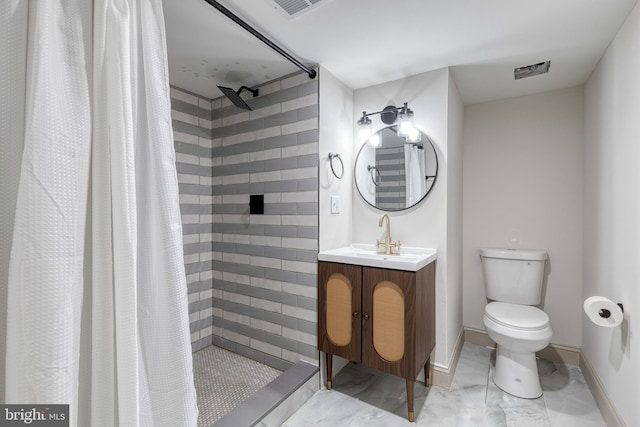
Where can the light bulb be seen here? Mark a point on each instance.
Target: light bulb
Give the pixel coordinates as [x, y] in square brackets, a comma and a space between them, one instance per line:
[405, 121]
[405, 128]
[374, 141]
[364, 127]
[364, 133]
[414, 135]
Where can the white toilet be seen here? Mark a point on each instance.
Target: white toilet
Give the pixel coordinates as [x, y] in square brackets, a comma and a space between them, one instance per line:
[513, 282]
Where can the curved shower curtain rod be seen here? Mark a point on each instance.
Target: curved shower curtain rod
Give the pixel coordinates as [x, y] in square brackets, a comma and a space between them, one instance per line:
[312, 73]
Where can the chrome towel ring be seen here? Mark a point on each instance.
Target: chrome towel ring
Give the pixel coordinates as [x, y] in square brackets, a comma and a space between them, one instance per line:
[375, 175]
[336, 156]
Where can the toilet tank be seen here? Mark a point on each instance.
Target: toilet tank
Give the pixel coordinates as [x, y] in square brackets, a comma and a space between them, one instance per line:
[513, 275]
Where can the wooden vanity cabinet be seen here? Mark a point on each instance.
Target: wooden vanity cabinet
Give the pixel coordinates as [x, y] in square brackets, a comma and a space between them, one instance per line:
[382, 318]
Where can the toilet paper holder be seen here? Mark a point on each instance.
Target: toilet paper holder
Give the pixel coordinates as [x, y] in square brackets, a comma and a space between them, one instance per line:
[605, 314]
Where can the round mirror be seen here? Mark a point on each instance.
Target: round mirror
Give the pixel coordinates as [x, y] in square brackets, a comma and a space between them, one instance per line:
[393, 174]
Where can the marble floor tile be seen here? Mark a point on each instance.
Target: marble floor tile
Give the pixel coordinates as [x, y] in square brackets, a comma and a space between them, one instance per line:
[568, 399]
[368, 398]
[473, 366]
[379, 389]
[444, 409]
[332, 408]
[469, 384]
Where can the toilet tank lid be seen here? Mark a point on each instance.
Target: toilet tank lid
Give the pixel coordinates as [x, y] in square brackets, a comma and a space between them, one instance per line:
[519, 254]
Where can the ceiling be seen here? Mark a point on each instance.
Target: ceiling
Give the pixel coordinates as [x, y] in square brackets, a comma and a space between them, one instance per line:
[367, 42]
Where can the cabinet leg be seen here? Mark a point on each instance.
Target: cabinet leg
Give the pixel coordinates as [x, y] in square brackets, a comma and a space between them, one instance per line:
[411, 416]
[329, 359]
[427, 373]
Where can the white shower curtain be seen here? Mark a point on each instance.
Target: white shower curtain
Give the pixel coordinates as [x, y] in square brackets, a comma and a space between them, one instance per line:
[97, 300]
[415, 180]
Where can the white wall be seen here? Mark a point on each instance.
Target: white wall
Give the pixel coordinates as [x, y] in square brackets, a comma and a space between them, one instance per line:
[366, 188]
[612, 214]
[523, 180]
[455, 169]
[336, 133]
[426, 224]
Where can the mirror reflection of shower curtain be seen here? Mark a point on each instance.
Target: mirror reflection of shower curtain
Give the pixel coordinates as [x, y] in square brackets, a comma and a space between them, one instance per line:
[97, 298]
[416, 183]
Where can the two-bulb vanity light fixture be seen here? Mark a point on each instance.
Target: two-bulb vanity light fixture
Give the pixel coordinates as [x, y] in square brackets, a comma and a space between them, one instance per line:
[402, 116]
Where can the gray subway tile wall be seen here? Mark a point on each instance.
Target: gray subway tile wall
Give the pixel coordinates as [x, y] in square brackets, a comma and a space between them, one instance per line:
[191, 116]
[390, 194]
[252, 278]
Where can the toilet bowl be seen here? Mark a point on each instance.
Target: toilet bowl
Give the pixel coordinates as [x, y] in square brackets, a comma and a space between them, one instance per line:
[519, 331]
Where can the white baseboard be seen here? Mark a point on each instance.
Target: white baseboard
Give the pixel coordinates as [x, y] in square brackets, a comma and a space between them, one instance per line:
[442, 376]
[561, 354]
[478, 337]
[607, 409]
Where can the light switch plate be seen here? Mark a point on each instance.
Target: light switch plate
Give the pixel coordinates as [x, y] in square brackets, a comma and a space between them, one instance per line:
[335, 204]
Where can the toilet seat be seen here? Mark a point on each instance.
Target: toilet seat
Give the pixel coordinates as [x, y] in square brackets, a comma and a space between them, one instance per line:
[517, 316]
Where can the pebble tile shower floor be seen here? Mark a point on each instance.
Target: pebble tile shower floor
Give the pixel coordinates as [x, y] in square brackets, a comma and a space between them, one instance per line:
[224, 380]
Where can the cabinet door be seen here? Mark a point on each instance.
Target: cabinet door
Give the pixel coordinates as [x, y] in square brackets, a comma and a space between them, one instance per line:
[388, 320]
[339, 301]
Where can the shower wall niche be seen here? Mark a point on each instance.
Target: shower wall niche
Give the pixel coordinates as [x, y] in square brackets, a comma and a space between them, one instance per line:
[252, 278]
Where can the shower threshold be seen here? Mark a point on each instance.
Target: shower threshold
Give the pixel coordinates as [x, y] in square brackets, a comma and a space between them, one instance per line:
[267, 407]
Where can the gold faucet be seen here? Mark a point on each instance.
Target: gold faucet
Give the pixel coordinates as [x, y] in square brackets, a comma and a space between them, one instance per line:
[387, 244]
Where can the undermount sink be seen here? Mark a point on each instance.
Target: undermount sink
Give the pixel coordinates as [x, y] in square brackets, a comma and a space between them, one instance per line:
[409, 258]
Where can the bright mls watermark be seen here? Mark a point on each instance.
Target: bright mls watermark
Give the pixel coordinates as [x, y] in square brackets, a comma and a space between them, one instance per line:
[34, 415]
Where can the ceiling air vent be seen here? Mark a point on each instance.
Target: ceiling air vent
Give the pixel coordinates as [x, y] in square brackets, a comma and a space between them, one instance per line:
[294, 8]
[531, 70]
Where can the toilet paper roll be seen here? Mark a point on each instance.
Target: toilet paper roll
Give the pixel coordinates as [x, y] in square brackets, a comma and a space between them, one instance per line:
[603, 312]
